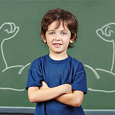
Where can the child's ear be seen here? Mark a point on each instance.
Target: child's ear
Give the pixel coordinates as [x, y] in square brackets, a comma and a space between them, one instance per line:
[43, 37]
[72, 39]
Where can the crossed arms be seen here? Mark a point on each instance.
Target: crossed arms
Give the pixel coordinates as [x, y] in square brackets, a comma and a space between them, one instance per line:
[62, 93]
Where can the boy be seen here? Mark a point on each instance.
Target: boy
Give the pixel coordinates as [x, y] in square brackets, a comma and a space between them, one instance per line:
[56, 81]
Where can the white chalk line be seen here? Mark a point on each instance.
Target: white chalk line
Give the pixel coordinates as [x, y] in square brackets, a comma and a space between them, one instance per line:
[105, 71]
[13, 89]
[20, 71]
[96, 74]
[99, 90]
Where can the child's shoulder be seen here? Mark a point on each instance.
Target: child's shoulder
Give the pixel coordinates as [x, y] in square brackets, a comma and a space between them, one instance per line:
[39, 60]
[74, 60]
[76, 63]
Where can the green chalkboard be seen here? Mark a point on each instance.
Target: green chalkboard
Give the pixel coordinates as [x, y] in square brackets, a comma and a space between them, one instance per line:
[21, 43]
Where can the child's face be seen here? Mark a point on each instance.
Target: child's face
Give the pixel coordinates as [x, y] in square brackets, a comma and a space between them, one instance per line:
[57, 38]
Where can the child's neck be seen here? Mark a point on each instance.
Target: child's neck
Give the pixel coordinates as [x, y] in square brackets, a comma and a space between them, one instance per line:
[58, 56]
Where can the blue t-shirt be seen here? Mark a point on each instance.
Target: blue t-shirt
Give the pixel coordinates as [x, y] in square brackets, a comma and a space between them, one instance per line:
[56, 73]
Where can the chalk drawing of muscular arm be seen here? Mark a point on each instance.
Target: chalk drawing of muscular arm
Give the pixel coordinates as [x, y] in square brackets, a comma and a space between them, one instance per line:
[11, 33]
[107, 34]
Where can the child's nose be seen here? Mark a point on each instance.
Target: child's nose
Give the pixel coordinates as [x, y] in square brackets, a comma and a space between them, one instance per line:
[57, 37]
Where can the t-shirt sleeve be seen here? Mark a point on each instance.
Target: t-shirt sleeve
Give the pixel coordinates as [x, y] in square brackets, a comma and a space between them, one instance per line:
[34, 76]
[80, 82]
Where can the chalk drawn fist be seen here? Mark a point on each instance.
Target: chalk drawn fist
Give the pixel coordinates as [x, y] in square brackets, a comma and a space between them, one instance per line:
[8, 30]
[107, 32]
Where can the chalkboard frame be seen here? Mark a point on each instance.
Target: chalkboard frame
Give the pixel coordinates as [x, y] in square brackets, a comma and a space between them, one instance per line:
[30, 111]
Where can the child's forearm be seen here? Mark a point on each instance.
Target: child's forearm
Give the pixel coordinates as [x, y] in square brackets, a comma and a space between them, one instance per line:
[44, 94]
[72, 99]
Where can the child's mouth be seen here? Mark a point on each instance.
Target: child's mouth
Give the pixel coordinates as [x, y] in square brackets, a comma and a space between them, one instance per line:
[57, 45]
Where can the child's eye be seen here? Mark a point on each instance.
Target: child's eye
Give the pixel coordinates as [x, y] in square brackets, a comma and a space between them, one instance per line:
[51, 33]
[63, 33]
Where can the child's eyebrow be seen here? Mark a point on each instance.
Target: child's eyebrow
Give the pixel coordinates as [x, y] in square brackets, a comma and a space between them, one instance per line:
[64, 30]
[51, 30]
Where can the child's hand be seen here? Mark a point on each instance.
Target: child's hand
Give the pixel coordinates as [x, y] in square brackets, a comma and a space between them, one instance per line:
[44, 85]
[68, 88]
